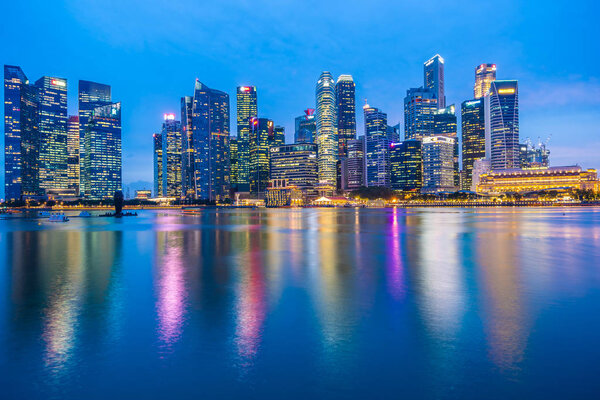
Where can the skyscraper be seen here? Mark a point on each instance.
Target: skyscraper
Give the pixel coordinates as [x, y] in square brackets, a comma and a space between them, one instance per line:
[327, 142]
[73, 149]
[502, 125]
[210, 130]
[306, 127]
[52, 125]
[434, 78]
[473, 137]
[419, 107]
[260, 133]
[485, 74]
[247, 109]
[406, 165]
[438, 164]
[101, 171]
[297, 164]
[377, 144]
[21, 136]
[171, 146]
[346, 112]
[158, 169]
[187, 148]
[444, 123]
[233, 162]
[278, 138]
[354, 165]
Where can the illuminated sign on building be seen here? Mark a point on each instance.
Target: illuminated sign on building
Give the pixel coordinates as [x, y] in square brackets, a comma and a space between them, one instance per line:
[169, 117]
[57, 82]
[506, 91]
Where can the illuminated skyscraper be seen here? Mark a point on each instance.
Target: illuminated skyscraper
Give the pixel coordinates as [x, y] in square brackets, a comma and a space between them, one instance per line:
[406, 165]
[473, 137]
[278, 138]
[158, 169]
[233, 161]
[327, 141]
[438, 164]
[261, 134]
[247, 109]
[101, 171]
[419, 107]
[434, 78]
[485, 74]
[444, 123]
[187, 148]
[52, 124]
[297, 163]
[210, 130]
[346, 112]
[502, 124]
[21, 136]
[171, 164]
[354, 165]
[306, 127]
[377, 143]
[73, 149]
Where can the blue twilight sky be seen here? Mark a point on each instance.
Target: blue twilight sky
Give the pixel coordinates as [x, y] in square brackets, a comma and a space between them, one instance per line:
[151, 52]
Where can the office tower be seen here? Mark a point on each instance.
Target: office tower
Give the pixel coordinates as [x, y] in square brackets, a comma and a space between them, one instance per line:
[438, 164]
[90, 96]
[485, 74]
[278, 138]
[73, 149]
[444, 123]
[531, 156]
[473, 137]
[158, 169]
[260, 132]
[101, 171]
[377, 144]
[419, 107]
[327, 141]
[393, 133]
[171, 137]
[233, 162]
[297, 164]
[502, 124]
[187, 148]
[52, 125]
[21, 136]
[246, 110]
[434, 78]
[306, 127]
[346, 112]
[210, 130]
[354, 165]
[405, 165]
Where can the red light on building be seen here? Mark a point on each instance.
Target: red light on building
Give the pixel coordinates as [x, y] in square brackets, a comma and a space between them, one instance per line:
[245, 89]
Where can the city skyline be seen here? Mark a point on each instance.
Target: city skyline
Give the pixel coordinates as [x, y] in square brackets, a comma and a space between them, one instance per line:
[550, 102]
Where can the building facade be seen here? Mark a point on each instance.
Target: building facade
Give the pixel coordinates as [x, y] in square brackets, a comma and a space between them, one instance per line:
[438, 164]
[445, 123]
[346, 112]
[485, 74]
[502, 125]
[158, 169]
[247, 108]
[326, 121]
[406, 165]
[74, 151]
[473, 137]
[171, 152]
[261, 137]
[306, 127]
[377, 143]
[433, 78]
[419, 107]
[187, 148]
[354, 164]
[296, 163]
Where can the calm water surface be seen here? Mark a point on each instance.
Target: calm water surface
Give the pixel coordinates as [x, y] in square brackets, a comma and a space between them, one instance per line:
[313, 303]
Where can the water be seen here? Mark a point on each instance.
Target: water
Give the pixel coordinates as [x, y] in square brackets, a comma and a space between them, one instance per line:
[313, 303]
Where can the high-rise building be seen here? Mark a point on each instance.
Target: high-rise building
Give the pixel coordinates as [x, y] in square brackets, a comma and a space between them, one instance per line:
[473, 137]
[90, 96]
[353, 166]
[278, 138]
[260, 133]
[485, 74]
[187, 148]
[327, 141]
[297, 164]
[233, 162]
[377, 144]
[444, 123]
[532, 156]
[346, 112]
[21, 136]
[210, 130]
[502, 124]
[247, 108]
[101, 170]
[434, 78]
[419, 107]
[306, 127]
[52, 125]
[158, 169]
[171, 164]
[73, 149]
[405, 165]
[438, 164]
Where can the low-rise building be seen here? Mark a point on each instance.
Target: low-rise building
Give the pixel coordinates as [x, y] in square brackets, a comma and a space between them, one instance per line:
[280, 194]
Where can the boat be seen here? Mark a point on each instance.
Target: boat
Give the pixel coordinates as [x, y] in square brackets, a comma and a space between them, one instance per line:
[85, 214]
[58, 217]
[44, 213]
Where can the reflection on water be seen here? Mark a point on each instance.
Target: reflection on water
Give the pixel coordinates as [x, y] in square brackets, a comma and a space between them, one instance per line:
[318, 300]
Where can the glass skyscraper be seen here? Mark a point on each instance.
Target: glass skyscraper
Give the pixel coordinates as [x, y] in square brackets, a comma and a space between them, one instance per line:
[233, 162]
[297, 164]
[473, 137]
[434, 78]
[377, 144]
[485, 74]
[354, 164]
[187, 148]
[327, 141]
[261, 134]
[445, 123]
[306, 127]
[171, 152]
[405, 165]
[278, 138]
[247, 108]
[158, 169]
[346, 112]
[101, 172]
[502, 126]
[73, 148]
[419, 107]
[438, 164]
